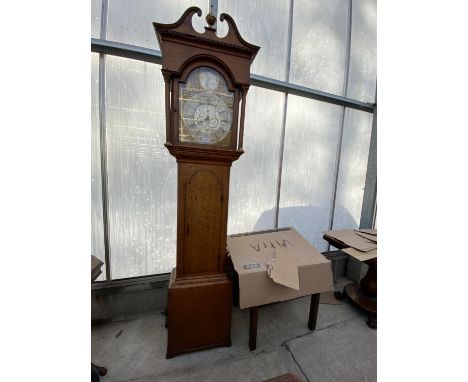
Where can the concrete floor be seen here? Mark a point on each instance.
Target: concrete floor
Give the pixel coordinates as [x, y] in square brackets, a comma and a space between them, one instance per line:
[342, 348]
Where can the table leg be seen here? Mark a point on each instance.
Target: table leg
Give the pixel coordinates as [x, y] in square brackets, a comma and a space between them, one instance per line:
[369, 281]
[372, 321]
[314, 305]
[364, 294]
[253, 328]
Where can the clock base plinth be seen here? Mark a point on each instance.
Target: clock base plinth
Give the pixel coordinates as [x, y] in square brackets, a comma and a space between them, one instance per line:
[198, 313]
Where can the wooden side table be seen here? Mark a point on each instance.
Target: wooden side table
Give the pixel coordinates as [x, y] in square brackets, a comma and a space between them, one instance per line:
[234, 277]
[364, 293]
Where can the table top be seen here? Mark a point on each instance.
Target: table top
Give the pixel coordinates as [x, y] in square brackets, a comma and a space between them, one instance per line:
[368, 257]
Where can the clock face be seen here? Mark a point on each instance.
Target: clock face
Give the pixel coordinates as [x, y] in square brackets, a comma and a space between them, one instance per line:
[206, 107]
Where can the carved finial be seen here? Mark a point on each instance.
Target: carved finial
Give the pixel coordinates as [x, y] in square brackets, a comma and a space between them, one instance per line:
[210, 19]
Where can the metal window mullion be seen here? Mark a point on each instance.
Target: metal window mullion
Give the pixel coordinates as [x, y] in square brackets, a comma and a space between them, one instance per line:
[375, 214]
[285, 112]
[369, 199]
[280, 159]
[104, 14]
[154, 56]
[213, 9]
[103, 141]
[342, 118]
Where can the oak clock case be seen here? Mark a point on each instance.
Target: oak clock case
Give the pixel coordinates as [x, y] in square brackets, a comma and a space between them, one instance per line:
[206, 80]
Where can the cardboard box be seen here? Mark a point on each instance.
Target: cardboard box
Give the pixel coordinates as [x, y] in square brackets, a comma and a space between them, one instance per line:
[250, 253]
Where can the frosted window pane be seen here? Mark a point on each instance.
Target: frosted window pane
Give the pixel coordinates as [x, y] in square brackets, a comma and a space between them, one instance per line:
[319, 44]
[263, 23]
[363, 59]
[353, 168]
[141, 172]
[97, 227]
[252, 195]
[308, 167]
[131, 21]
[96, 6]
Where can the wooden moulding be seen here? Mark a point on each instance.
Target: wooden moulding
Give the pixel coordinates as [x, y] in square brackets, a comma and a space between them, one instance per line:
[183, 30]
[203, 153]
[199, 314]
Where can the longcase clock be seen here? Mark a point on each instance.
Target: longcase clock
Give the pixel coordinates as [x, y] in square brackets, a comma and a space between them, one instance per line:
[206, 82]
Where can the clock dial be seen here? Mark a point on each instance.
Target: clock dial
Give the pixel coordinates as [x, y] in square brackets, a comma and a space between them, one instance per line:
[206, 107]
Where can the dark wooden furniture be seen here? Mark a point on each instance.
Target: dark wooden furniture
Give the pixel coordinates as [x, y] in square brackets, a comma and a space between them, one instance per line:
[234, 277]
[96, 266]
[364, 293]
[312, 323]
[284, 378]
[206, 78]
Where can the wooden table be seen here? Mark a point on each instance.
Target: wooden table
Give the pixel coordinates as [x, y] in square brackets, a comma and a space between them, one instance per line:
[234, 277]
[253, 246]
[364, 293]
